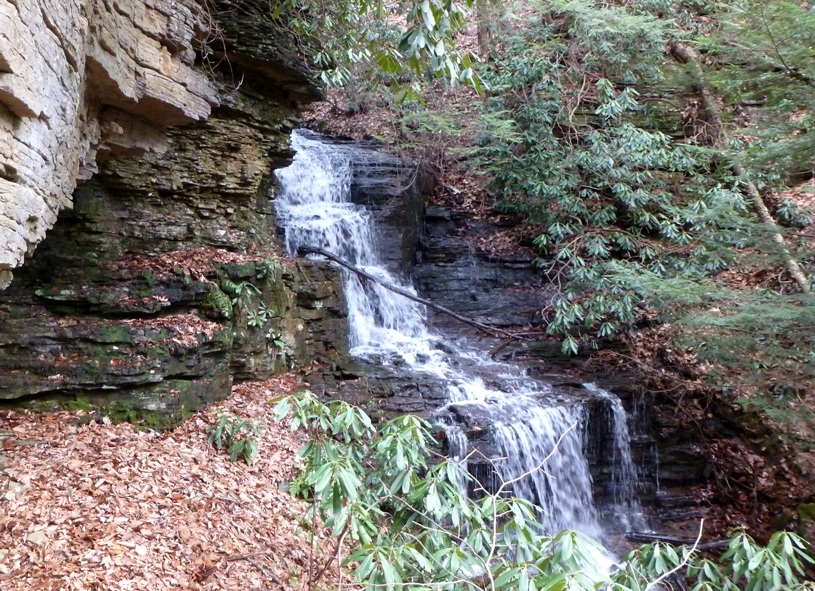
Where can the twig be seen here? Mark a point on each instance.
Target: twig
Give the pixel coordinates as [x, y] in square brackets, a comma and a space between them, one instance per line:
[791, 72]
[334, 555]
[504, 484]
[263, 570]
[309, 582]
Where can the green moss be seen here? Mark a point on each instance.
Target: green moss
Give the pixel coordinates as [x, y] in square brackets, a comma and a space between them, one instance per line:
[786, 418]
[91, 272]
[180, 399]
[120, 412]
[113, 333]
[806, 511]
[53, 404]
[17, 313]
[93, 371]
[149, 277]
[43, 405]
[153, 421]
[236, 272]
[224, 337]
[276, 300]
[142, 292]
[781, 521]
[806, 521]
[220, 302]
[79, 404]
[184, 413]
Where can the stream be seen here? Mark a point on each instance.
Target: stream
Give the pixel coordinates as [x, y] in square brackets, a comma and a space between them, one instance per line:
[499, 422]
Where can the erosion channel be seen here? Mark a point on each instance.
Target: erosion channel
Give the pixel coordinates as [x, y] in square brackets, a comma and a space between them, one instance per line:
[494, 416]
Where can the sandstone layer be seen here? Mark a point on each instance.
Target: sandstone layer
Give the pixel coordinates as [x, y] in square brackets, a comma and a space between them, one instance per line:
[82, 81]
[142, 135]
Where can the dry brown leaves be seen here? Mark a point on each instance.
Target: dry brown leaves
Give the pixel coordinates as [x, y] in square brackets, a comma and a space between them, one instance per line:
[507, 240]
[185, 329]
[195, 262]
[802, 195]
[109, 507]
[182, 329]
[457, 187]
[332, 116]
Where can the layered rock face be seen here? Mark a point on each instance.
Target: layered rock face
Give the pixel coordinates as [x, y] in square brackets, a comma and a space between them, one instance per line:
[160, 280]
[82, 81]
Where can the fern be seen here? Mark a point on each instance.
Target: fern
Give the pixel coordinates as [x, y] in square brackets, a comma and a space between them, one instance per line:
[268, 270]
[240, 293]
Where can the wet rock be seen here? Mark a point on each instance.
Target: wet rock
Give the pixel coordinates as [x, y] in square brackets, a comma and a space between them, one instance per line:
[682, 464]
[161, 342]
[385, 392]
[502, 290]
[389, 188]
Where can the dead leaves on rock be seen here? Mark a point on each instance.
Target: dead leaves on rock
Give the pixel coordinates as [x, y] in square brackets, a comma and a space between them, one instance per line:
[195, 262]
[104, 506]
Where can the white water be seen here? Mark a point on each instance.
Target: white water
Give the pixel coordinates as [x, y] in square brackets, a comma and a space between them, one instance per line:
[624, 473]
[527, 423]
[314, 209]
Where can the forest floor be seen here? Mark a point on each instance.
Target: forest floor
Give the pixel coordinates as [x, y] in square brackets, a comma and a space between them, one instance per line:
[90, 505]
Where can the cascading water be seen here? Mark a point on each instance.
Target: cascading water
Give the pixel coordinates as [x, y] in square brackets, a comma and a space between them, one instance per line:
[525, 419]
[314, 209]
[524, 432]
[623, 476]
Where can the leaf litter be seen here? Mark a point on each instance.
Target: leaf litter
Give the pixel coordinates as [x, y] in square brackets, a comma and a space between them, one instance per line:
[92, 505]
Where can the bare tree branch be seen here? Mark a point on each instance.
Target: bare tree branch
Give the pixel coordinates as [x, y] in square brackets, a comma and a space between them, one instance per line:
[655, 583]
[304, 250]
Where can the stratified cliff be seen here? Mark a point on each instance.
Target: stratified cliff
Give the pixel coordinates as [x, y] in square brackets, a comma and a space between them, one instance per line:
[137, 143]
[81, 81]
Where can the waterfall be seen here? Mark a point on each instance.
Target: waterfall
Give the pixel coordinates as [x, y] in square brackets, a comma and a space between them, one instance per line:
[525, 420]
[314, 209]
[623, 480]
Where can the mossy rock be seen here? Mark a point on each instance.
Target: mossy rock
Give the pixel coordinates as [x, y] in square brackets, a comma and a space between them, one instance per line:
[114, 333]
[781, 521]
[806, 521]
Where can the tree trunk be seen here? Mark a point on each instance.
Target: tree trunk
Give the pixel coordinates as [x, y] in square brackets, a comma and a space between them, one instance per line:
[690, 56]
[482, 17]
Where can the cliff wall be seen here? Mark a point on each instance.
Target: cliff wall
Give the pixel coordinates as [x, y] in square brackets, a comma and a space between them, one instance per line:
[81, 81]
[137, 143]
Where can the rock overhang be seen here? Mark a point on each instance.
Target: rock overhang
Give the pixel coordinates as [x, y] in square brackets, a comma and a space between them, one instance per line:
[82, 82]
